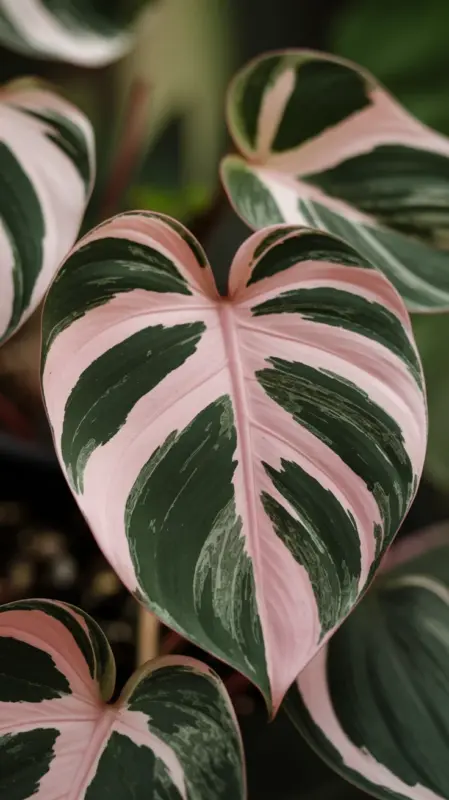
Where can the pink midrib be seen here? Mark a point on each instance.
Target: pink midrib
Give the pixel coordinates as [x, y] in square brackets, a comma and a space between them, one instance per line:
[244, 444]
[99, 739]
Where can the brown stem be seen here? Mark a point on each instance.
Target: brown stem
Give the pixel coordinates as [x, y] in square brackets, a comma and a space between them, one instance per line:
[204, 223]
[171, 643]
[147, 636]
[236, 683]
[13, 421]
[129, 149]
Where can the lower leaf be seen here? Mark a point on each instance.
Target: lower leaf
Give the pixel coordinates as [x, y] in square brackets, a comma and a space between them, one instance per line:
[172, 734]
[373, 703]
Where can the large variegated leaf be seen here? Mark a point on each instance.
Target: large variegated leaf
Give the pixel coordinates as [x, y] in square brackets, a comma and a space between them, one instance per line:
[78, 31]
[243, 461]
[325, 145]
[374, 701]
[171, 734]
[46, 174]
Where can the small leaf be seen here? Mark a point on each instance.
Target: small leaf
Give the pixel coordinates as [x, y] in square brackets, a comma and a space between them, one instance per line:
[82, 32]
[243, 461]
[323, 144]
[171, 734]
[46, 174]
[373, 703]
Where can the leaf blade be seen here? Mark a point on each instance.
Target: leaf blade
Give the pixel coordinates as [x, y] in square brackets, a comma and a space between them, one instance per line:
[392, 743]
[63, 31]
[215, 487]
[332, 149]
[172, 731]
[42, 137]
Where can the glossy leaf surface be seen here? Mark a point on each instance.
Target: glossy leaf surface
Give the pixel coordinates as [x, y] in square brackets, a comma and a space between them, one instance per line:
[243, 461]
[172, 733]
[46, 175]
[81, 32]
[373, 703]
[323, 144]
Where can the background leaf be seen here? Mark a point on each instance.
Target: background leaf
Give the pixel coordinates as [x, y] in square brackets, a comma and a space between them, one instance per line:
[90, 33]
[373, 704]
[47, 169]
[325, 145]
[415, 66]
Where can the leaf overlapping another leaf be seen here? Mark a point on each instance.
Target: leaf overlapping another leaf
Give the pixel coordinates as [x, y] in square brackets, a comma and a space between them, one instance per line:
[243, 461]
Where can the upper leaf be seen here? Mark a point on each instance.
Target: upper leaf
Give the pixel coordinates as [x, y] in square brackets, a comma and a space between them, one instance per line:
[46, 174]
[325, 145]
[81, 32]
[243, 461]
[172, 734]
[373, 703]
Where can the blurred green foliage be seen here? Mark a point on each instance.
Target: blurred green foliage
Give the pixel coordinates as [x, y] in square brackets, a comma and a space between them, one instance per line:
[182, 202]
[405, 45]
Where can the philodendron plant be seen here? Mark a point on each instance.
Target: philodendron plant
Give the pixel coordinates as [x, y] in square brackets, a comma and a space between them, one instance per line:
[244, 461]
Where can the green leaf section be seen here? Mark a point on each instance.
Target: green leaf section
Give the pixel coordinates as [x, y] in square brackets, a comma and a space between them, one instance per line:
[342, 415]
[205, 588]
[419, 273]
[25, 229]
[325, 93]
[189, 714]
[95, 273]
[106, 393]
[387, 680]
[17, 685]
[24, 759]
[401, 186]
[333, 562]
[248, 194]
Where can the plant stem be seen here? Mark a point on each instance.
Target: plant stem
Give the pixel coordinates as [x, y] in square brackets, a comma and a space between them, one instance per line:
[147, 636]
[130, 148]
[172, 642]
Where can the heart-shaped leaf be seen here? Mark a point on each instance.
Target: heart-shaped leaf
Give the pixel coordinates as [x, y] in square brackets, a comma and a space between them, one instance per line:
[373, 703]
[172, 733]
[82, 32]
[243, 461]
[46, 174]
[325, 145]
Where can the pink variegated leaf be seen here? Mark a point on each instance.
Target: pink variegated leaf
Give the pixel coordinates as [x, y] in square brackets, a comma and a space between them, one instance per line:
[373, 702]
[324, 144]
[47, 165]
[172, 732]
[243, 461]
[89, 34]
